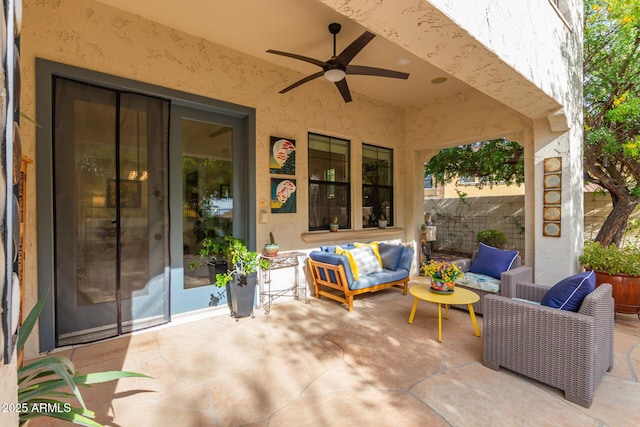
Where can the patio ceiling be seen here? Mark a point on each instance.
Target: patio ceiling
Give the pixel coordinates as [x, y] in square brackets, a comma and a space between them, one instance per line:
[298, 26]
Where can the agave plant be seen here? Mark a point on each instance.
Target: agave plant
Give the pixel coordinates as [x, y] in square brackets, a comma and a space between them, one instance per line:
[42, 383]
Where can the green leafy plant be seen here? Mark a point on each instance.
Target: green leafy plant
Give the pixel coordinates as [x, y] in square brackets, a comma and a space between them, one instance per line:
[611, 259]
[495, 238]
[243, 262]
[272, 240]
[43, 382]
[611, 76]
[213, 250]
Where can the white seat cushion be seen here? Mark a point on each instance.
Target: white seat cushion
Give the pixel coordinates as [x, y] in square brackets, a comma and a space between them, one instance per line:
[480, 282]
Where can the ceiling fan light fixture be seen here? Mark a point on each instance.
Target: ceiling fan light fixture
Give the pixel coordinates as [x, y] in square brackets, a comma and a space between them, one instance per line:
[334, 75]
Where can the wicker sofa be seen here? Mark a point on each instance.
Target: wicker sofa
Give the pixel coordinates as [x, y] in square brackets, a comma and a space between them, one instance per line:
[564, 349]
[334, 278]
[504, 287]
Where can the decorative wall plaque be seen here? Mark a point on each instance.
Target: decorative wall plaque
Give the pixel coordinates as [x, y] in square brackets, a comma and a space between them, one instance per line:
[552, 198]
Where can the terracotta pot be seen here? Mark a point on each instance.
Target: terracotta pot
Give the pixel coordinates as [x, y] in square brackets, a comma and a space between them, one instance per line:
[626, 291]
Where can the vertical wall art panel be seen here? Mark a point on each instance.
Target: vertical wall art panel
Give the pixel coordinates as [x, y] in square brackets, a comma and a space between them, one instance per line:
[283, 195]
[552, 206]
[282, 156]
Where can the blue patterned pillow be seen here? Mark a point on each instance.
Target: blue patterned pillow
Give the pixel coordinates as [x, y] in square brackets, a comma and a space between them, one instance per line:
[492, 261]
[569, 293]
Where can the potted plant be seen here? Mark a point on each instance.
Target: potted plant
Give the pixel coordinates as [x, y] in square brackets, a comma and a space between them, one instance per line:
[213, 252]
[271, 248]
[382, 222]
[334, 225]
[240, 278]
[443, 275]
[620, 268]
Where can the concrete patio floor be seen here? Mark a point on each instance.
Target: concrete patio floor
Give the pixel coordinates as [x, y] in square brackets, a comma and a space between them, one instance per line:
[317, 364]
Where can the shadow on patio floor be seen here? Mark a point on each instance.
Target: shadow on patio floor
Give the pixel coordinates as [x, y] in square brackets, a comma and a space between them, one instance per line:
[317, 364]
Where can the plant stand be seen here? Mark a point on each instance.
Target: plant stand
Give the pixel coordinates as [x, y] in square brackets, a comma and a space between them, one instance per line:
[283, 260]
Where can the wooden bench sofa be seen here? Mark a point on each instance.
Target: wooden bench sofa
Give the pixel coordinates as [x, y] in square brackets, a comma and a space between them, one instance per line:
[333, 276]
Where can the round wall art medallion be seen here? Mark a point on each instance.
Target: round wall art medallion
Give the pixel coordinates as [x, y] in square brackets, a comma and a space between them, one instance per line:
[551, 229]
[552, 181]
[552, 197]
[552, 164]
[551, 214]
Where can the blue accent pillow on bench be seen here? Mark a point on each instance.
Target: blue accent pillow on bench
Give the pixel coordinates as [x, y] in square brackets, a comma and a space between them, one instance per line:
[492, 261]
[390, 255]
[569, 293]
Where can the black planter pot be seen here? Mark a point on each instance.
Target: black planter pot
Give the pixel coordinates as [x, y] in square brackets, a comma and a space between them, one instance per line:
[216, 268]
[241, 294]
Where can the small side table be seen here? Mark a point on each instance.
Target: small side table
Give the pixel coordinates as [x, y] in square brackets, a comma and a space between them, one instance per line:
[282, 260]
[459, 296]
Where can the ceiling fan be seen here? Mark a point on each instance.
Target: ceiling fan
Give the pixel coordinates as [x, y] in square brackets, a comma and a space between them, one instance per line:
[337, 67]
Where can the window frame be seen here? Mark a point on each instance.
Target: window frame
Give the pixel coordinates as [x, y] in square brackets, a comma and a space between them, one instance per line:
[366, 187]
[329, 212]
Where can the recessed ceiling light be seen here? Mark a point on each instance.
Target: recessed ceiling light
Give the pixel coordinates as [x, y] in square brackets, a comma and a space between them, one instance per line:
[403, 61]
[439, 80]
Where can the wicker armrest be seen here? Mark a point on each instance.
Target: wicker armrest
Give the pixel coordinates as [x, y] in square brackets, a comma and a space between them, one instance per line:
[528, 291]
[508, 280]
[464, 264]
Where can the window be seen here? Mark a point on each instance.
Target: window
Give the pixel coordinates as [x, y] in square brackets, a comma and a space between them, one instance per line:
[329, 182]
[428, 182]
[467, 180]
[377, 185]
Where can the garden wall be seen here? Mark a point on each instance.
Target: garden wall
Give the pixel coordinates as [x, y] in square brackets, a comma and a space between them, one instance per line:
[458, 221]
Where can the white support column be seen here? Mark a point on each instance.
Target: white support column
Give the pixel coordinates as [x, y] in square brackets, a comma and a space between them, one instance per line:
[557, 257]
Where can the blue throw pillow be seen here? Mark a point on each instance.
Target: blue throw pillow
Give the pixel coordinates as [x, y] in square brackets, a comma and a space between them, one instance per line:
[330, 249]
[492, 261]
[568, 293]
[390, 255]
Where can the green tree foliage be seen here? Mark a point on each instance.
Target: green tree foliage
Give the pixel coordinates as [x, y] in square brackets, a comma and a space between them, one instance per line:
[612, 108]
[492, 162]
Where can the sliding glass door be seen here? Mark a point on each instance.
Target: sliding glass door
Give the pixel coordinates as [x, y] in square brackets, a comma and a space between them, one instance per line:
[111, 211]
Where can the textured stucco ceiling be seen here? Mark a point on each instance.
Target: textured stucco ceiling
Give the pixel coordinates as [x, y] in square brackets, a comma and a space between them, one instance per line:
[298, 26]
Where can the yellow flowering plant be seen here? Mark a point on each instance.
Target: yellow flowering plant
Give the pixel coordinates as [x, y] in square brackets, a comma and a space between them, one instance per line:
[442, 271]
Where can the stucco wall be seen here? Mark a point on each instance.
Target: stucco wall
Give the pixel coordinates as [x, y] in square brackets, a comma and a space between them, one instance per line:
[94, 36]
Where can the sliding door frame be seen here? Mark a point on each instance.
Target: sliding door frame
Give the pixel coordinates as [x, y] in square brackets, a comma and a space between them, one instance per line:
[45, 70]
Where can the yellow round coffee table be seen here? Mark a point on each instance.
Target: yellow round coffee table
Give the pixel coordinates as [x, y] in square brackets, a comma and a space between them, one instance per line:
[459, 296]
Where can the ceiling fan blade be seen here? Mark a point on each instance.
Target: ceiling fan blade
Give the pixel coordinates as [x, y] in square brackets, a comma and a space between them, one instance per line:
[355, 47]
[300, 57]
[344, 90]
[303, 81]
[378, 72]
